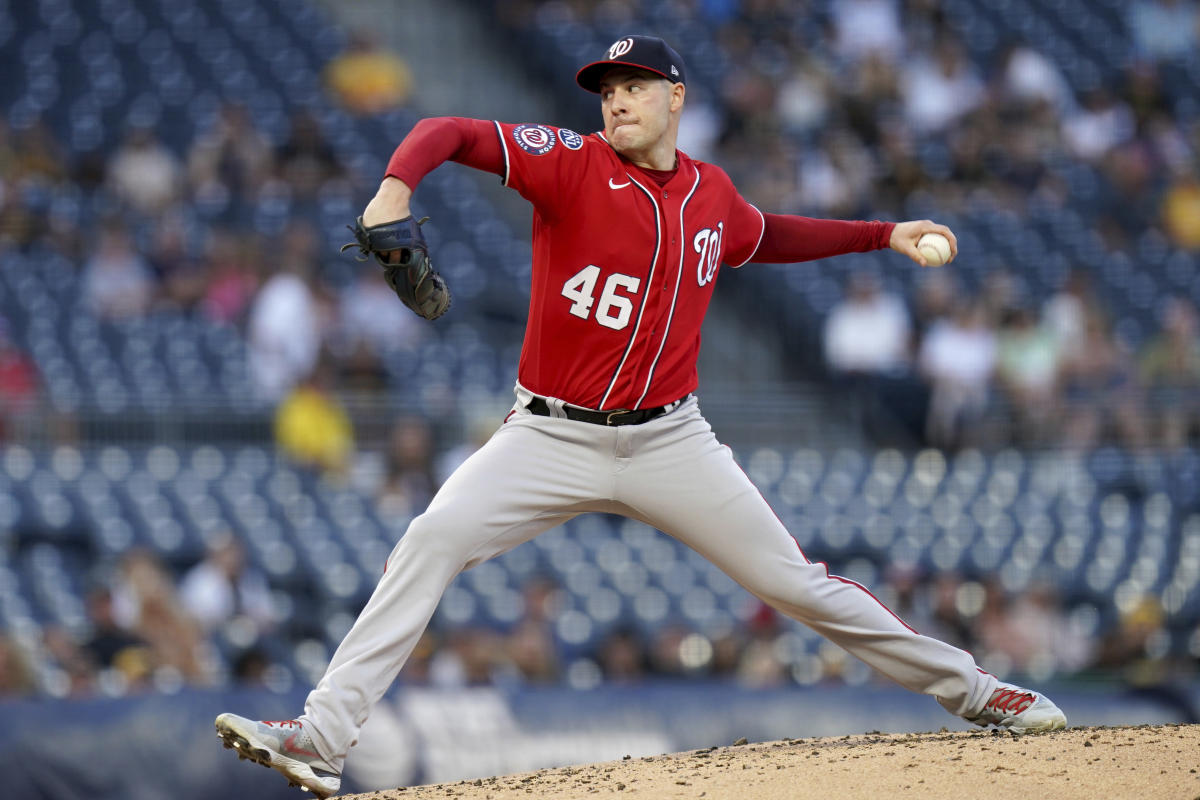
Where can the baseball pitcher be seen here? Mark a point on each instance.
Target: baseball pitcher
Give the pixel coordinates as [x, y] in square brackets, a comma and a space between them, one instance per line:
[629, 236]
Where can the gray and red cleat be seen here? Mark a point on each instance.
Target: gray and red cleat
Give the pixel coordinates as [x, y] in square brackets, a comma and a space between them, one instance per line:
[284, 746]
[1019, 710]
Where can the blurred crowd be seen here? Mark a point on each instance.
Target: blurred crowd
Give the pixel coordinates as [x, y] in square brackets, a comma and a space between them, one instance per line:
[825, 108]
[216, 624]
[832, 126]
[853, 108]
[991, 370]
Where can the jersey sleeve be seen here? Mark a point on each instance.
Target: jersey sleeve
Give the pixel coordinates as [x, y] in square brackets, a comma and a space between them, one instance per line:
[436, 140]
[544, 164]
[788, 239]
[745, 232]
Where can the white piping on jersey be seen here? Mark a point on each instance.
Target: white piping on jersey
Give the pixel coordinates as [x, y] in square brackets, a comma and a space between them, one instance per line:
[761, 234]
[645, 295]
[503, 147]
[674, 298]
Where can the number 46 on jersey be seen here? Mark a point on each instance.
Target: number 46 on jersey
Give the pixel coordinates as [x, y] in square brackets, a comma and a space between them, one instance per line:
[614, 309]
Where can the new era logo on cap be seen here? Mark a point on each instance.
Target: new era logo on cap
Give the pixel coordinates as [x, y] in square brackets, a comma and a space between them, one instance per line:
[644, 52]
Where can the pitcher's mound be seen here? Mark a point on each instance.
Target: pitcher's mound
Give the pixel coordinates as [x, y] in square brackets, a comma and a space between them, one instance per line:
[1141, 762]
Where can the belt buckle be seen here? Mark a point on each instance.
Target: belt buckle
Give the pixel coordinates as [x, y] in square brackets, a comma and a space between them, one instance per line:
[609, 420]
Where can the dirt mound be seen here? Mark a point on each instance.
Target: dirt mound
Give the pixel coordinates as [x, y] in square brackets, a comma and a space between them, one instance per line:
[1140, 762]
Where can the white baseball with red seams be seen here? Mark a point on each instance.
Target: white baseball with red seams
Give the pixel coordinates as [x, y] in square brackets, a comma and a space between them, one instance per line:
[935, 248]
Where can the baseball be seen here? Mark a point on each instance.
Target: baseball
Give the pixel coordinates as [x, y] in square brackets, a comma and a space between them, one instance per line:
[935, 248]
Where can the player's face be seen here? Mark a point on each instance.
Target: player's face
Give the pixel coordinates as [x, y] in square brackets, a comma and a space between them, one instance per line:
[637, 109]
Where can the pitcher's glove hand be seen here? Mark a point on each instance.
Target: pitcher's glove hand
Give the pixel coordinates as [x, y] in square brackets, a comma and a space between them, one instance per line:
[400, 248]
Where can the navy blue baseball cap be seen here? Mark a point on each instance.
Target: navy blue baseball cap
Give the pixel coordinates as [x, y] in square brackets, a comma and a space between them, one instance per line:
[643, 52]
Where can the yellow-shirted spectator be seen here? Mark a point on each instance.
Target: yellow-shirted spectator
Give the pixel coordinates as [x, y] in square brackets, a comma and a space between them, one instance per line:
[368, 79]
[312, 428]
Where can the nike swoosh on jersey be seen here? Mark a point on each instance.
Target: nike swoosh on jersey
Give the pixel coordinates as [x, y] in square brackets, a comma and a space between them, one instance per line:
[612, 185]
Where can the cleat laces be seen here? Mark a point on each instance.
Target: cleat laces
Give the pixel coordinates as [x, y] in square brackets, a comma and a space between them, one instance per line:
[1010, 701]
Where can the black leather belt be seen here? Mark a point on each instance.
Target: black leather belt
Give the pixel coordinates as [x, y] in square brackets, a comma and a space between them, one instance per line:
[620, 416]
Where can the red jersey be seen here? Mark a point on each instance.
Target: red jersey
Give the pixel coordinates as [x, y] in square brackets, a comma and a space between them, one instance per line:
[623, 268]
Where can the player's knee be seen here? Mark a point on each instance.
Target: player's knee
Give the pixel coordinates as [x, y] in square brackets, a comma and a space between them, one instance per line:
[797, 593]
[431, 536]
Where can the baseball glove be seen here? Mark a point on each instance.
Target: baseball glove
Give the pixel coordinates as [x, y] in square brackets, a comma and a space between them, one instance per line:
[400, 248]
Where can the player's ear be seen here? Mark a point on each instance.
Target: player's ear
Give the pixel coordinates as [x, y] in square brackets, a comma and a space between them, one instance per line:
[678, 91]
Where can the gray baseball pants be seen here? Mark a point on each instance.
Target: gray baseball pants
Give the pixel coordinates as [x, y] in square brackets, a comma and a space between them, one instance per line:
[672, 473]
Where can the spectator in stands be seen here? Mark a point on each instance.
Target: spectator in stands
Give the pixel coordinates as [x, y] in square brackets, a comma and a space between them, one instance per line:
[1136, 647]
[953, 610]
[939, 90]
[698, 134]
[1066, 312]
[180, 275]
[804, 99]
[16, 675]
[1102, 396]
[664, 651]
[1164, 29]
[1170, 371]
[1101, 123]
[835, 178]
[361, 371]
[369, 315]
[870, 100]
[1029, 78]
[18, 386]
[1181, 209]
[957, 358]
[1041, 640]
[760, 664]
[144, 174]
[868, 332]
[223, 588]
[8, 158]
[937, 296]
[286, 324]
[1027, 372]
[368, 79]
[312, 428]
[470, 657]
[306, 160]
[116, 279]
[864, 28]
[866, 340]
[622, 657]
[232, 264]
[39, 157]
[530, 648]
[110, 646]
[72, 674]
[227, 164]
[416, 671]
[146, 604]
[410, 482]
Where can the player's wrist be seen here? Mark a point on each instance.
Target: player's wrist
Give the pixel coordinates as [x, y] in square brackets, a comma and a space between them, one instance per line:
[390, 203]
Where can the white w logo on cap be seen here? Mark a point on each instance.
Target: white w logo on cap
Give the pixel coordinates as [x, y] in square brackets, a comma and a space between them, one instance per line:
[620, 48]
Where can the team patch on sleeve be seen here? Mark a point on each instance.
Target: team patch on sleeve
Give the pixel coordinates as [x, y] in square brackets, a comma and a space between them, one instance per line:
[534, 139]
[570, 139]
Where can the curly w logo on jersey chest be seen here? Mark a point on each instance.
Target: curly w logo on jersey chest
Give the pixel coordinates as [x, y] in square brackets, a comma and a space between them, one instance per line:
[707, 245]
